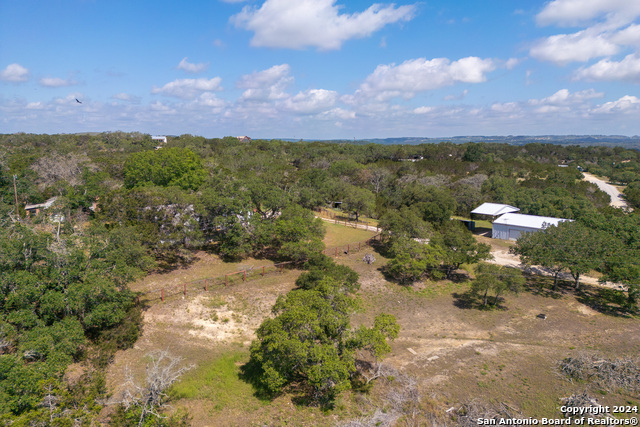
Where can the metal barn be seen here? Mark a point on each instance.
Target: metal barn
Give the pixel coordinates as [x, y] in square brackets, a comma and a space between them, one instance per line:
[511, 226]
[493, 209]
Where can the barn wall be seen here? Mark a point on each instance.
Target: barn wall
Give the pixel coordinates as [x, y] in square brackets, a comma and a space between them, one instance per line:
[508, 232]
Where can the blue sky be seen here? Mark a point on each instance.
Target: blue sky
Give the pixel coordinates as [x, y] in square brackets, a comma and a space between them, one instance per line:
[321, 68]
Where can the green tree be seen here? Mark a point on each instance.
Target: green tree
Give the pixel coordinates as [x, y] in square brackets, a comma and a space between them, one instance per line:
[459, 247]
[575, 247]
[412, 259]
[543, 250]
[310, 343]
[405, 222]
[497, 279]
[358, 201]
[166, 167]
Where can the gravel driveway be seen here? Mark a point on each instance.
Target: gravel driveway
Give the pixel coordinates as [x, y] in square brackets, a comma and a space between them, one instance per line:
[616, 196]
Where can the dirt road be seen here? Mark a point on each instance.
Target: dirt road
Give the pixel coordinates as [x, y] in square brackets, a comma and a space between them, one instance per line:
[616, 196]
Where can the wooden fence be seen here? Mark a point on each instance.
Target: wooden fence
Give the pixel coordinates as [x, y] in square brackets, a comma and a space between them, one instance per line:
[229, 279]
[324, 213]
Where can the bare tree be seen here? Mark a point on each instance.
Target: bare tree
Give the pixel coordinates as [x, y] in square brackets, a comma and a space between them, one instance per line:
[401, 401]
[610, 374]
[163, 370]
[69, 168]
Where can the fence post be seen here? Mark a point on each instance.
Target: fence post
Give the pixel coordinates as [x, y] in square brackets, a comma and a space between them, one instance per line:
[348, 249]
[244, 275]
[185, 289]
[281, 267]
[205, 285]
[162, 294]
[263, 271]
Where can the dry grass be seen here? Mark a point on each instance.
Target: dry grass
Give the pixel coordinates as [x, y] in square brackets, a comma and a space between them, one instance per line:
[456, 355]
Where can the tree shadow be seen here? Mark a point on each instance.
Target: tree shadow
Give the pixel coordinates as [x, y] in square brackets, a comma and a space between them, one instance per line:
[301, 395]
[482, 231]
[250, 373]
[543, 286]
[175, 259]
[612, 302]
[471, 301]
[381, 247]
[459, 277]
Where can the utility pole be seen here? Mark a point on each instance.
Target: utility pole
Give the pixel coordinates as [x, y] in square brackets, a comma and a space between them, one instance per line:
[15, 192]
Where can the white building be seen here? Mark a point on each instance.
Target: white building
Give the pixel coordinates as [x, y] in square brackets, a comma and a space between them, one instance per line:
[494, 209]
[159, 138]
[511, 226]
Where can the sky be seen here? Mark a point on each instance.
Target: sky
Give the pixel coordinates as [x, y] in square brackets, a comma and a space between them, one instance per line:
[321, 69]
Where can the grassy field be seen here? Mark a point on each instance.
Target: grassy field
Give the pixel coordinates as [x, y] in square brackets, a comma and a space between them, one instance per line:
[339, 235]
[455, 354]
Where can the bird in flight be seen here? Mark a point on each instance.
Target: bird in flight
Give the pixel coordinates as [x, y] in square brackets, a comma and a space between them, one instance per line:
[78, 101]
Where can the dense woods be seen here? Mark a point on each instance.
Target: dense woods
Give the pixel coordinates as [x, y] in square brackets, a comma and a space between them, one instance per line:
[123, 209]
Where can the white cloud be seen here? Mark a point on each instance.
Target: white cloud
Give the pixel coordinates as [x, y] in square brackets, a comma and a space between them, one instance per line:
[188, 88]
[56, 82]
[416, 75]
[580, 46]
[126, 97]
[15, 73]
[607, 70]
[609, 30]
[209, 100]
[297, 24]
[35, 106]
[505, 107]
[574, 12]
[625, 104]
[192, 68]
[269, 84]
[311, 101]
[457, 97]
[564, 97]
[160, 107]
[511, 63]
[338, 113]
[629, 36]
[423, 110]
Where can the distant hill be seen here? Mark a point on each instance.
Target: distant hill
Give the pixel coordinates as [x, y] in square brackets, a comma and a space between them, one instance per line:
[583, 140]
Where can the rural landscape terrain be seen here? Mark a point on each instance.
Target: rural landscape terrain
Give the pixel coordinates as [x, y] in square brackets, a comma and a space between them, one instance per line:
[191, 281]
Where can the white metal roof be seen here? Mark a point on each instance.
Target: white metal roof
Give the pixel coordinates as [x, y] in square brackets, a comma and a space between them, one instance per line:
[47, 204]
[494, 209]
[528, 221]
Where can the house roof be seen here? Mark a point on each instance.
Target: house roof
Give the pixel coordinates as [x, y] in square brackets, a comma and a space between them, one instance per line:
[494, 209]
[44, 205]
[529, 221]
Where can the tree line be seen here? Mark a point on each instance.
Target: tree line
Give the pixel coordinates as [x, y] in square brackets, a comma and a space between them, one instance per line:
[64, 284]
